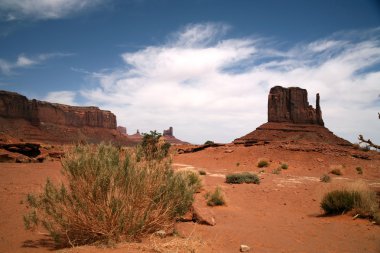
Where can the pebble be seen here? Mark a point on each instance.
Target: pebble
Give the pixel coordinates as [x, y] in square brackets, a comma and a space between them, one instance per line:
[244, 248]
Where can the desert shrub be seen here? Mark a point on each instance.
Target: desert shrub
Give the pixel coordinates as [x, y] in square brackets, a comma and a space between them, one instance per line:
[359, 170]
[209, 143]
[216, 198]
[245, 177]
[376, 218]
[355, 196]
[339, 201]
[193, 180]
[284, 166]
[276, 171]
[325, 178]
[262, 163]
[336, 172]
[202, 173]
[237, 164]
[108, 197]
[153, 146]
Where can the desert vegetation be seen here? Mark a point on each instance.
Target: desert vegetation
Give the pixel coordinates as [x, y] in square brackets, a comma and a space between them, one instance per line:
[262, 163]
[336, 171]
[325, 178]
[110, 197]
[245, 177]
[356, 197]
[216, 198]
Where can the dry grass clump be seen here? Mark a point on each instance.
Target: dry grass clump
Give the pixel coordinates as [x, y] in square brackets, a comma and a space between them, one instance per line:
[109, 198]
[359, 170]
[325, 178]
[244, 177]
[216, 198]
[262, 163]
[337, 172]
[356, 196]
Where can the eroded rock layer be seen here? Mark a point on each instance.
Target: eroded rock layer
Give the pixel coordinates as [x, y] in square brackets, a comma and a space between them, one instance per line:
[291, 105]
[33, 120]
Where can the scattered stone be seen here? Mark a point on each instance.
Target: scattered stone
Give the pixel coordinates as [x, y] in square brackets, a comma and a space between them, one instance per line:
[160, 233]
[244, 248]
[228, 151]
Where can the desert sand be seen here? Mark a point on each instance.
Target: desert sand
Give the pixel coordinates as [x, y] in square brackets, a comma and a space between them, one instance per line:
[282, 214]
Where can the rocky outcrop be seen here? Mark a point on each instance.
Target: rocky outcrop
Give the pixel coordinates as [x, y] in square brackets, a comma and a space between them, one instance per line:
[16, 106]
[291, 105]
[168, 132]
[291, 120]
[169, 137]
[122, 130]
[39, 121]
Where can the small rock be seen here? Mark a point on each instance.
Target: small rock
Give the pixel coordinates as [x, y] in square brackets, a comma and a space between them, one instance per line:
[228, 151]
[244, 248]
[160, 233]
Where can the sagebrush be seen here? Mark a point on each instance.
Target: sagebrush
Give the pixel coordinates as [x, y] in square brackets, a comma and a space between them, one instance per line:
[216, 198]
[356, 196]
[110, 196]
[245, 177]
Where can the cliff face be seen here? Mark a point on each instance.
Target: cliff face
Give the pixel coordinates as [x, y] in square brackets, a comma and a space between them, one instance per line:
[13, 105]
[33, 120]
[291, 105]
[16, 106]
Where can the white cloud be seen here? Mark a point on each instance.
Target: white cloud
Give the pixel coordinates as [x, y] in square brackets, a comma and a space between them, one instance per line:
[61, 97]
[43, 9]
[211, 87]
[23, 61]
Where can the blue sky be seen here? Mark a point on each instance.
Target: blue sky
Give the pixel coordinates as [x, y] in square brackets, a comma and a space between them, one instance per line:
[204, 66]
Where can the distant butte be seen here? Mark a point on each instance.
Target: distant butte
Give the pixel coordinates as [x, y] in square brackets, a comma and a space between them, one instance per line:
[291, 120]
[169, 137]
[34, 120]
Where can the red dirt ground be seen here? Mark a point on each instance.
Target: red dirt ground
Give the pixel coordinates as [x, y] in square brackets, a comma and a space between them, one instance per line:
[282, 214]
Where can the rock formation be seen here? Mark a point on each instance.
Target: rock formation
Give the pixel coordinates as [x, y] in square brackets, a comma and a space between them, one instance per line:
[291, 105]
[16, 106]
[168, 132]
[33, 120]
[169, 137]
[122, 130]
[291, 120]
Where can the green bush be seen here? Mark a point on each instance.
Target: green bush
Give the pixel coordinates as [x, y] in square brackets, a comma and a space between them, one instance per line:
[359, 170]
[245, 177]
[339, 201]
[325, 178]
[202, 173]
[153, 147]
[262, 163]
[210, 143]
[284, 166]
[109, 197]
[216, 198]
[336, 172]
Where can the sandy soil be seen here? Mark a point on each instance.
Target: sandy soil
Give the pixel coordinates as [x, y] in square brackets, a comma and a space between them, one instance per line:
[282, 214]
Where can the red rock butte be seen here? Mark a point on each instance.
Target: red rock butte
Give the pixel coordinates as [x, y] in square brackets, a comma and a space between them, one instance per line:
[292, 120]
[33, 120]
